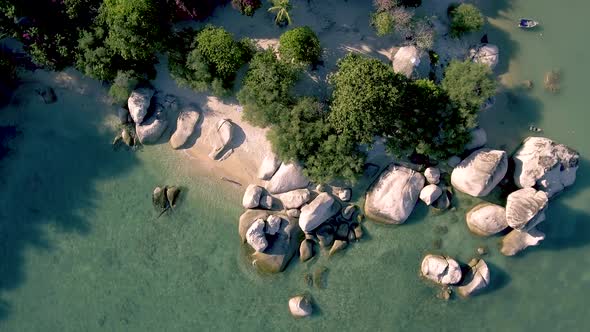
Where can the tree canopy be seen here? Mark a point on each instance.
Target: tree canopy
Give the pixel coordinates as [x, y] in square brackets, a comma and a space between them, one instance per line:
[468, 84]
[300, 45]
[465, 18]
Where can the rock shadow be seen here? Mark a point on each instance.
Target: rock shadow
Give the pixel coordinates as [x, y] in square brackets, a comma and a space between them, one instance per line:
[498, 279]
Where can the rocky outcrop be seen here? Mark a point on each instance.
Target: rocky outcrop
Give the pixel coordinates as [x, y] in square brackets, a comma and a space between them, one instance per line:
[486, 54]
[185, 125]
[524, 208]
[516, 241]
[322, 208]
[478, 174]
[252, 196]
[486, 219]
[294, 199]
[406, 59]
[220, 138]
[430, 193]
[246, 220]
[546, 165]
[150, 131]
[432, 175]
[476, 280]
[300, 306]
[255, 235]
[391, 199]
[288, 177]
[138, 103]
[479, 138]
[270, 164]
[441, 269]
[281, 248]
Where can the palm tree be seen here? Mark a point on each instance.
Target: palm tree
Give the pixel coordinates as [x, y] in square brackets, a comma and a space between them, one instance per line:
[281, 8]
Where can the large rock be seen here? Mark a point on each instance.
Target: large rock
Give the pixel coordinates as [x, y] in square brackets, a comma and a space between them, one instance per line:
[432, 175]
[479, 138]
[138, 103]
[478, 174]
[544, 164]
[486, 219]
[247, 219]
[294, 199]
[477, 279]
[430, 193]
[516, 241]
[391, 199]
[322, 208]
[256, 237]
[288, 177]
[252, 196]
[406, 60]
[270, 164]
[151, 129]
[300, 306]
[281, 248]
[486, 54]
[524, 208]
[185, 125]
[220, 137]
[441, 269]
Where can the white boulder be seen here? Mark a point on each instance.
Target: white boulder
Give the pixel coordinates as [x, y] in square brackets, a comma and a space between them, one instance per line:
[486, 219]
[432, 175]
[486, 54]
[270, 164]
[406, 59]
[322, 208]
[524, 208]
[294, 199]
[273, 224]
[477, 279]
[252, 196]
[478, 174]
[516, 241]
[185, 125]
[288, 177]
[150, 131]
[300, 306]
[255, 236]
[430, 193]
[441, 269]
[220, 137]
[138, 103]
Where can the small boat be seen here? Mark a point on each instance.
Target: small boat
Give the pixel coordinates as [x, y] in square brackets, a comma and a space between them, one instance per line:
[526, 23]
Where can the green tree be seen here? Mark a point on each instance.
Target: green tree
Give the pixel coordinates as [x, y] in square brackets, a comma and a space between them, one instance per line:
[223, 54]
[465, 18]
[124, 83]
[468, 84]
[265, 92]
[281, 8]
[383, 23]
[300, 45]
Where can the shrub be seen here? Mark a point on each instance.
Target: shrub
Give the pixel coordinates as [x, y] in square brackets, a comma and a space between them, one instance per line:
[465, 18]
[124, 83]
[222, 53]
[265, 91]
[423, 34]
[281, 8]
[382, 22]
[246, 7]
[300, 45]
[468, 84]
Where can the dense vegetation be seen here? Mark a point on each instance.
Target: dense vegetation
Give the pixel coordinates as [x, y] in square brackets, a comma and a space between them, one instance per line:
[300, 45]
[465, 18]
[394, 16]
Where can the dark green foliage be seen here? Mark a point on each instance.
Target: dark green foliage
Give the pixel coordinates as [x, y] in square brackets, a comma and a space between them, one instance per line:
[246, 7]
[124, 83]
[265, 91]
[337, 157]
[383, 23]
[281, 8]
[465, 18]
[223, 54]
[366, 94]
[468, 84]
[300, 45]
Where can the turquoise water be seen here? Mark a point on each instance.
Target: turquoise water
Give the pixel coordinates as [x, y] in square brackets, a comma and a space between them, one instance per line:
[81, 248]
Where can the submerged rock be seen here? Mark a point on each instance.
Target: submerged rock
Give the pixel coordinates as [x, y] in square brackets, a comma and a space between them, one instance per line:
[252, 196]
[430, 193]
[123, 115]
[432, 175]
[325, 235]
[479, 173]
[159, 197]
[294, 199]
[300, 306]
[288, 177]
[546, 165]
[516, 241]
[524, 208]
[338, 245]
[322, 208]
[172, 195]
[476, 280]
[138, 103]
[348, 211]
[391, 199]
[185, 125]
[270, 164]
[442, 270]
[126, 137]
[444, 201]
[486, 219]
[220, 138]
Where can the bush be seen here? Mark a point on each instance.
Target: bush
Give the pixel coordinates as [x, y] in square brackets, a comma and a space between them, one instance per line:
[424, 34]
[124, 83]
[465, 18]
[382, 22]
[300, 45]
[246, 7]
[468, 84]
[265, 91]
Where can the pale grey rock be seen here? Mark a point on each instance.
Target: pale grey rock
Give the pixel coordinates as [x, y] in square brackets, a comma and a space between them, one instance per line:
[322, 208]
[343, 194]
[255, 236]
[266, 202]
[516, 241]
[300, 306]
[430, 193]
[391, 199]
[546, 165]
[288, 177]
[432, 175]
[441, 269]
[252, 196]
[480, 172]
[487, 54]
[220, 138]
[479, 138]
[406, 59]
[185, 125]
[273, 224]
[270, 164]
[138, 103]
[524, 206]
[294, 199]
[247, 219]
[172, 194]
[151, 129]
[476, 280]
[486, 219]
[293, 213]
[306, 250]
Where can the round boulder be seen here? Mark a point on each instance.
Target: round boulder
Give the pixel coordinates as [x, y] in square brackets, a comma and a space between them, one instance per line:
[486, 219]
[441, 269]
[300, 306]
[432, 175]
[430, 193]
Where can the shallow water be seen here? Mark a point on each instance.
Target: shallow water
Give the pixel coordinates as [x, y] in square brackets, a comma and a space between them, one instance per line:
[81, 248]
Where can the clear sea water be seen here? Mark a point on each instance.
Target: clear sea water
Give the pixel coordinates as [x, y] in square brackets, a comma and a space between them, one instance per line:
[81, 248]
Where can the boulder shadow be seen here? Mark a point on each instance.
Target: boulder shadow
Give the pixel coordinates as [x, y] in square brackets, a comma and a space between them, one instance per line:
[238, 137]
[498, 279]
